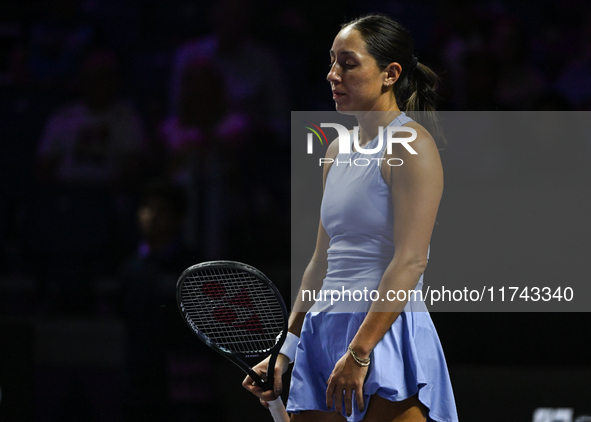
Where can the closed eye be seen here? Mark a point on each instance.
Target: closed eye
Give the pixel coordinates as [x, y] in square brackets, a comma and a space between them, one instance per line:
[345, 65]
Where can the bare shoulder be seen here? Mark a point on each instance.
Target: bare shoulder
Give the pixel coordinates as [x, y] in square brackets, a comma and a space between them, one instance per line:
[424, 145]
[424, 139]
[426, 159]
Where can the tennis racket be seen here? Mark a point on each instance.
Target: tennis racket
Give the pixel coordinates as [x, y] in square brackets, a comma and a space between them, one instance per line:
[235, 310]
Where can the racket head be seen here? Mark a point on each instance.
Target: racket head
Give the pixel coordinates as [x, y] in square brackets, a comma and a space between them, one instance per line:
[233, 308]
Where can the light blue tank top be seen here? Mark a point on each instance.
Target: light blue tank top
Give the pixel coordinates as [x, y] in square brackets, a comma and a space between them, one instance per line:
[357, 214]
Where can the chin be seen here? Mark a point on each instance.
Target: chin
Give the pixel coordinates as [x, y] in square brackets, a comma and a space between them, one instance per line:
[343, 109]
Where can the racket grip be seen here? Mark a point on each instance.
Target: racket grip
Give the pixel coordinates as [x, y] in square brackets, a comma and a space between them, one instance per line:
[277, 409]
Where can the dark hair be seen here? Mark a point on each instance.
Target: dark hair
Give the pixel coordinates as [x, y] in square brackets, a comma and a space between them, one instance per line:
[388, 41]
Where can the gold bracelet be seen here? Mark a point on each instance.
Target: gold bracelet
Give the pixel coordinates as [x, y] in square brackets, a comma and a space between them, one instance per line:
[362, 362]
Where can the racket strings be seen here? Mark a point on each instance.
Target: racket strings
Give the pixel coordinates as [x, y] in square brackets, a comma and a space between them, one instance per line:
[233, 309]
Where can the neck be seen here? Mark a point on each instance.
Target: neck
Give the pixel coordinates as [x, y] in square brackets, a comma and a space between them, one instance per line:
[370, 121]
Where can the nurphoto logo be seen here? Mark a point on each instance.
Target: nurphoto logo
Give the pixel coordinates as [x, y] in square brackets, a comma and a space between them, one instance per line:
[345, 142]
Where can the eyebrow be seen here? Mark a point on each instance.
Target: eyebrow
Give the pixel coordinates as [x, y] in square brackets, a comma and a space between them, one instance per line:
[344, 52]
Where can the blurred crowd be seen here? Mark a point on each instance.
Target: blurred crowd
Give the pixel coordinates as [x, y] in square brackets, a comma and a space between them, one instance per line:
[139, 137]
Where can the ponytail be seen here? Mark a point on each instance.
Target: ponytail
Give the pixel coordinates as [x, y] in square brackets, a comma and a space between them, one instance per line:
[421, 95]
[422, 86]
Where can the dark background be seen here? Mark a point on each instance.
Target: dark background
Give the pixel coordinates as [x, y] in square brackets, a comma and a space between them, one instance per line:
[67, 248]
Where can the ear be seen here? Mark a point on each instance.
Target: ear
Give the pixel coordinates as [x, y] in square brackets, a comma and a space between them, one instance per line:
[392, 73]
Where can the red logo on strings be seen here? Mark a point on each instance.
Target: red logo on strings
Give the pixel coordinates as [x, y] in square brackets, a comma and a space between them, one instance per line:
[228, 314]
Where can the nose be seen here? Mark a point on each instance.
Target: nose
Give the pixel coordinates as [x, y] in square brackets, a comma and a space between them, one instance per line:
[333, 76]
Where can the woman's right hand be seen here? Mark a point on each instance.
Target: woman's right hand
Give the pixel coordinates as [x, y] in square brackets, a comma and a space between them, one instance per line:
[281, 366]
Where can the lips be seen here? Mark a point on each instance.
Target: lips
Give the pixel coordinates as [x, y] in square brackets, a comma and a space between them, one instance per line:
[337, 94]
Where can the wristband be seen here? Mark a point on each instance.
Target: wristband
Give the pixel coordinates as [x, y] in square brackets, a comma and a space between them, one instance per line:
[290, 346]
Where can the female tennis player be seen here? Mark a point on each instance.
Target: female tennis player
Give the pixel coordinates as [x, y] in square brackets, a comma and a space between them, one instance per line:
[372, 360]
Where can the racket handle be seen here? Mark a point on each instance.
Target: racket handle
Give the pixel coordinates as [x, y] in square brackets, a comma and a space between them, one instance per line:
[277, 409]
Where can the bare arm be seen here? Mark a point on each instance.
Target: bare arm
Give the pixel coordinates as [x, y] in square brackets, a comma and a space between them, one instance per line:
[416, 188]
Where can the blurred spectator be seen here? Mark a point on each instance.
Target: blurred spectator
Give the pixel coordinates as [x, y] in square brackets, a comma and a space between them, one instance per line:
[203, 121]
[251, 73]
[88, 162]
[204, 142]
[168, 378]
[97, 140]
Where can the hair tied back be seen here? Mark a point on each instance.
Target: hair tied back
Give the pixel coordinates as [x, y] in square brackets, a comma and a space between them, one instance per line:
[413, 64]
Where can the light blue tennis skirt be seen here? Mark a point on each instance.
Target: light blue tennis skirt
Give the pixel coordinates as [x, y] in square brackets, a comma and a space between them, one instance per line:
[408, 360]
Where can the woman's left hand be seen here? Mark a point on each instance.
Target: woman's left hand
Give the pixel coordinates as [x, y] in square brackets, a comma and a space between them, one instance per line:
[346, 376]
